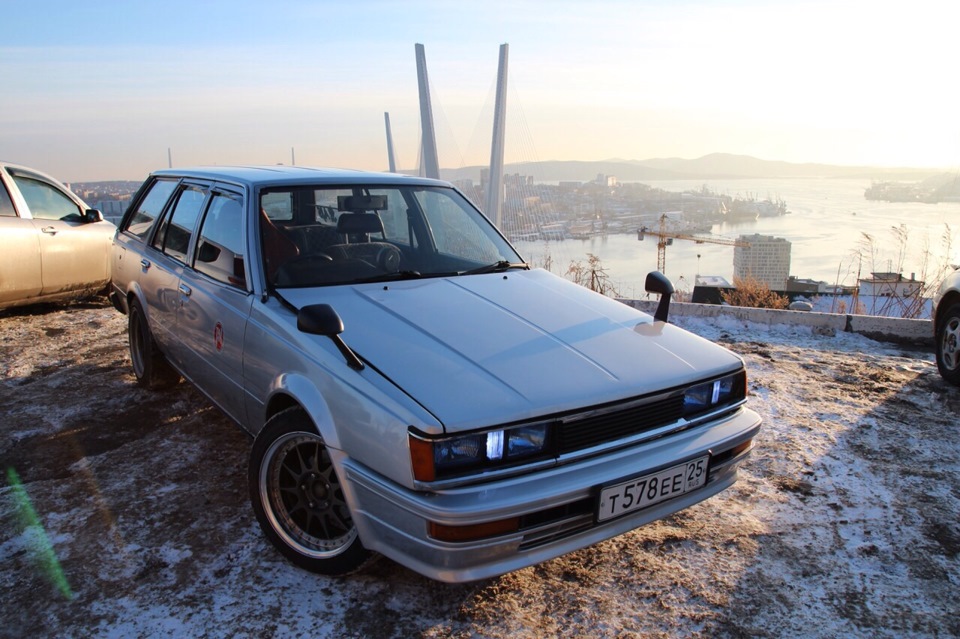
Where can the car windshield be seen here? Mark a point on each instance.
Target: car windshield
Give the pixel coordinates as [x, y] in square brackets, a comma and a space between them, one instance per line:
[317, 236]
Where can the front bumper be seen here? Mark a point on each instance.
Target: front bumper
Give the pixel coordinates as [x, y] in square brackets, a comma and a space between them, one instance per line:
[556, 505]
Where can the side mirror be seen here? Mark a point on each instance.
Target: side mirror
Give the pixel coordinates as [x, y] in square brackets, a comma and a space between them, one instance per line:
[323, 319]
[319, 319]
[92, 215]
[658, 283]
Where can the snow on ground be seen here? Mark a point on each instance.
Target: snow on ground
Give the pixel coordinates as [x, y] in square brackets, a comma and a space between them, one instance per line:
[124, 513]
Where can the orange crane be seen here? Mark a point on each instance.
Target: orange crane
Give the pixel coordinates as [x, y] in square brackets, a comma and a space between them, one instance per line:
[666, 238]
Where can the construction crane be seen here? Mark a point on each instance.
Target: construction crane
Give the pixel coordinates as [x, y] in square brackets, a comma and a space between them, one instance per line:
[665, 238]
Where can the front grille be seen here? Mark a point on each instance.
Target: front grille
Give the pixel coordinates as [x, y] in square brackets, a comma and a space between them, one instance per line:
[591, 430]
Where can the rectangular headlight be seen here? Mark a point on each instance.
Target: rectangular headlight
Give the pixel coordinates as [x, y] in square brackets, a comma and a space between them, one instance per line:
[526, 441]
[459, 451]
[724, 391]
[443, 457]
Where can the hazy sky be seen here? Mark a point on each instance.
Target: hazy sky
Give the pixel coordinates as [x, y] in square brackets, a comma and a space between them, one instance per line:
[101, 89]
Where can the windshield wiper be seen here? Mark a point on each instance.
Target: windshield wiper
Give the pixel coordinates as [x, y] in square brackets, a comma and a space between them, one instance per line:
[496, 267]
[389, 277]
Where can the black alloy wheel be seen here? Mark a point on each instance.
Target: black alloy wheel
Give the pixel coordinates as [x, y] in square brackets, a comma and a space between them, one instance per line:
[298, 498]
[149, 365]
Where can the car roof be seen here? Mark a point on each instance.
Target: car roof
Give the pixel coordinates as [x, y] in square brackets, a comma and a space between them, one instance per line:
[11, 166]
[260, 176]
[29, 169]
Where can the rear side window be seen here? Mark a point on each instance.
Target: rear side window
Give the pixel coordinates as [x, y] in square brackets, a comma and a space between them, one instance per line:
[220, 250]
[175, 232]
[150, 207]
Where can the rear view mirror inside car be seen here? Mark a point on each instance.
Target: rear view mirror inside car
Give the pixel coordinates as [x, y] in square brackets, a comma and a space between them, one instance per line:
[360, 203]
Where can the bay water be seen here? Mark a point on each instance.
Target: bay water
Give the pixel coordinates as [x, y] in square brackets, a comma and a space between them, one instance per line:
[835, 233]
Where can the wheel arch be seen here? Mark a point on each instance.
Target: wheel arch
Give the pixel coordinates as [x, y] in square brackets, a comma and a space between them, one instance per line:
[944, 304]
[295, 390]
[133, 293]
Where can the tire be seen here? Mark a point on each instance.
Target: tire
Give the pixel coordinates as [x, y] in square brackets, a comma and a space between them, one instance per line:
[298, 498]
[948, 345]
[149, 365]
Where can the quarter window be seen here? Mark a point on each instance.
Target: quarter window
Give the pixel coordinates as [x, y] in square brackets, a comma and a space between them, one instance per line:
[220, 250]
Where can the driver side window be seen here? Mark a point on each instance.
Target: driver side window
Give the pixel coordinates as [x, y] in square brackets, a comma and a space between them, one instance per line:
[45, 201]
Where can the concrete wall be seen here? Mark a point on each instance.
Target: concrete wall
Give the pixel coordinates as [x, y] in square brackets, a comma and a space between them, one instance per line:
[884, 329]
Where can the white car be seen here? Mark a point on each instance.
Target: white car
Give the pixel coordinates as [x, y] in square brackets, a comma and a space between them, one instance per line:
[946, 328]
[53, 247]
[414, 388]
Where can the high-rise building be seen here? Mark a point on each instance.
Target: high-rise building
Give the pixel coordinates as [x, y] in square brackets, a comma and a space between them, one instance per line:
[766, 259]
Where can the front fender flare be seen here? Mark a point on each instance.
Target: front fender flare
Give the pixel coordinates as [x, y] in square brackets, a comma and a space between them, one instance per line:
[295, 388]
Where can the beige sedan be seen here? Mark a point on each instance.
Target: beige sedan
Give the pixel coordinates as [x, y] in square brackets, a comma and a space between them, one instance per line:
[53, 247]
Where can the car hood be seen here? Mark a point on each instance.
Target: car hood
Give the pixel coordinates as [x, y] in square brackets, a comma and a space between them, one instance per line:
[483, 350]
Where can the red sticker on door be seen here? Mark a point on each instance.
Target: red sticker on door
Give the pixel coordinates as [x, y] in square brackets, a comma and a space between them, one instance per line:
[218, 336]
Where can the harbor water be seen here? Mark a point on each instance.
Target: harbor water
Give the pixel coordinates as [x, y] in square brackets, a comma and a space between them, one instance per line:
[835, 234]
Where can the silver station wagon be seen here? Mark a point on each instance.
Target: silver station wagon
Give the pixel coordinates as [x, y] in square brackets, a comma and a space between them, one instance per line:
[413, 387]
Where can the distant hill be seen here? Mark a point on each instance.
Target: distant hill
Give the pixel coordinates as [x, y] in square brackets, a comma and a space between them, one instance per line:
[714, 166]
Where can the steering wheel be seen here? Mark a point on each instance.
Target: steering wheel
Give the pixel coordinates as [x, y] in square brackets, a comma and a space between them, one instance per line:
[389, 259]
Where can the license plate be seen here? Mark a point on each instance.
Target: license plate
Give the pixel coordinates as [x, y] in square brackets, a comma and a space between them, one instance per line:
[642, 492]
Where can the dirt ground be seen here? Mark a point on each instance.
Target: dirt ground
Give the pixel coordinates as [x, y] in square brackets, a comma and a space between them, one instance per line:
[124, 513]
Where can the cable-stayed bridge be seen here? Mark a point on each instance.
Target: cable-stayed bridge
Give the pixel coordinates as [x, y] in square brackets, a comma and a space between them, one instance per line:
[513, 203]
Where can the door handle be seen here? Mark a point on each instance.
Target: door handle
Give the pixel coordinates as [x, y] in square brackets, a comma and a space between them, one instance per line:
[145, 263]
[49, 230]
[185, 290]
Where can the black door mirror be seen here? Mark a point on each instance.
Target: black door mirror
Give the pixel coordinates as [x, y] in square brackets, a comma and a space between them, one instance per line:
[658, 283]
[92, 215]
[323, 319]
[319, 319]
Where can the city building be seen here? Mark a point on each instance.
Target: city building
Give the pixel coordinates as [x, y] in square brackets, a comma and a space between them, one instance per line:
[807, 286]
[890, 285]
[766, 259]
[715, 281]
[709, 289]
[111, 209]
